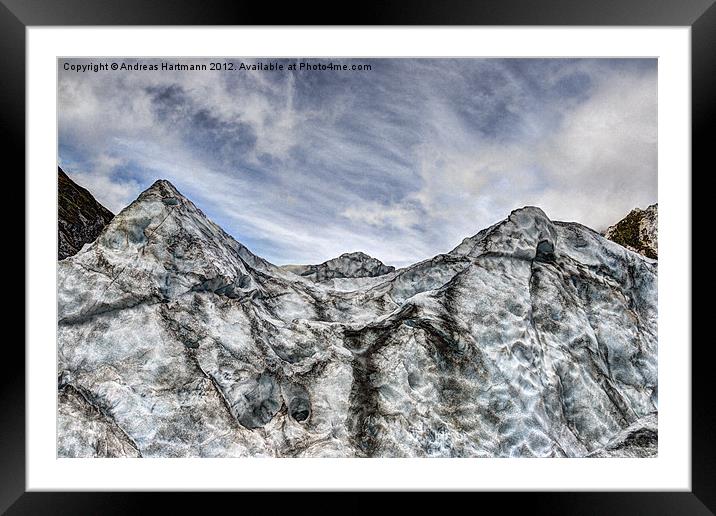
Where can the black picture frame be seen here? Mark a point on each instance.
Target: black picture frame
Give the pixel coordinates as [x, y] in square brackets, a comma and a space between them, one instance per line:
[700, 15]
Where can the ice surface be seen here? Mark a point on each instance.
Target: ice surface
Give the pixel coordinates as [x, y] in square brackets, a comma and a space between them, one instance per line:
[531, 338]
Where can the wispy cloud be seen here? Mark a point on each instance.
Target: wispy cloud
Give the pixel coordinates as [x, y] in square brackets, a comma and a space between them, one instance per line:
[402, 161]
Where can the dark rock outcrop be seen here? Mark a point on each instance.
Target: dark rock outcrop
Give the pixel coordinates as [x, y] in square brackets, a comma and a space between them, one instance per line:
[80, 217]
[638, 231]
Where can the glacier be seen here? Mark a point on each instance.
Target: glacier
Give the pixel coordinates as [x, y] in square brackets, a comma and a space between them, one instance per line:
[532, 338]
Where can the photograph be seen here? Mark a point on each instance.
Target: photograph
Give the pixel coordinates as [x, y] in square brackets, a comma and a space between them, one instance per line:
[357, 257]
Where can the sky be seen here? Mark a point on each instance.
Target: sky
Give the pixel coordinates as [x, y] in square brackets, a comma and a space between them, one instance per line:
[401, 161]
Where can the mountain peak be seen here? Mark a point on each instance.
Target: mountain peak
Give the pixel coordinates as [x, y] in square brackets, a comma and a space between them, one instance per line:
[163, 189]
[531, 211]
[356, 264]
[518, 235]
[638, 231]
[162, 246]
[357, 255]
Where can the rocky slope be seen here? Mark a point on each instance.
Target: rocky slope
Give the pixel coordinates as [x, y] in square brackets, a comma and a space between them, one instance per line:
[81, 217]
[531, 338]
[638, 231]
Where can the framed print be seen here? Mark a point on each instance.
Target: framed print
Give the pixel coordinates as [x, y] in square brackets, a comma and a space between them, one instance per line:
[453, 255]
